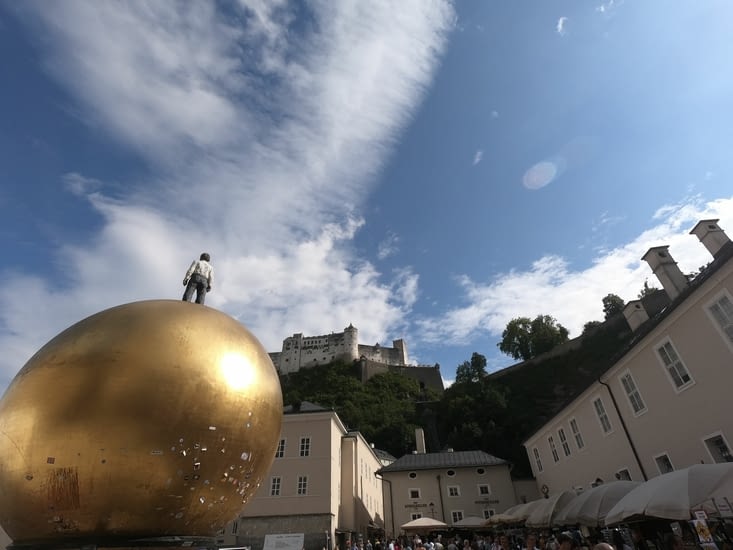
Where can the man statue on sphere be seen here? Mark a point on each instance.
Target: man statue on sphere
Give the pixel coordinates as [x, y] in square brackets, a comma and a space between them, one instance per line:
[198, 277]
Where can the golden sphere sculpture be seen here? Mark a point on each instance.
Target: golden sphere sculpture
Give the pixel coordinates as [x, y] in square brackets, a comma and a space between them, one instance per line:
[151, 419]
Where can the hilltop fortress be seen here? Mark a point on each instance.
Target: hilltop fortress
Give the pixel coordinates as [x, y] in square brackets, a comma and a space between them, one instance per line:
[299, 352]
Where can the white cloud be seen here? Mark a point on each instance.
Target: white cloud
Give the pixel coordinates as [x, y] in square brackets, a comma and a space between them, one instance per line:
[79, 185]
[573, 297]
[263, 137]
[389, 246]
[607, 7]
[477, 157]
[560, 27]
[606, 220]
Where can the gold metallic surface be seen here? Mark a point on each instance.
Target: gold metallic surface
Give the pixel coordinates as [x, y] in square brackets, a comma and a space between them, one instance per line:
[149, 419]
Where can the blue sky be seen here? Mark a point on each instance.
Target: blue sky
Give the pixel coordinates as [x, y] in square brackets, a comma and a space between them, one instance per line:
[422, 169]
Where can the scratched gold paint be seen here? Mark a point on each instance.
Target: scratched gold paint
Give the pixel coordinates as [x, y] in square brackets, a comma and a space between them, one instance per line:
[151, 419]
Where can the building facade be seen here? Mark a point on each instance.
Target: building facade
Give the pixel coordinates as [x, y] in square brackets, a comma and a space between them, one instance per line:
[447, 486]
[300, 351]
[322, 484]
[664, 404]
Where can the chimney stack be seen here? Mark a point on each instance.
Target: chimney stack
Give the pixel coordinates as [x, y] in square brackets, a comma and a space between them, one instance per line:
[420, 440]
[635, 314]
[710, 235]
[666, 270]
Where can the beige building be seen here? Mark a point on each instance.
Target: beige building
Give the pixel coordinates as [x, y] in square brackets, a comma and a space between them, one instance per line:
[322, 484]
[665, 402]
[447, 486]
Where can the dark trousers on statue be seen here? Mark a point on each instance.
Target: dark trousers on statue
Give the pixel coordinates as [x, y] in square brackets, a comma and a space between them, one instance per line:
[198, 283]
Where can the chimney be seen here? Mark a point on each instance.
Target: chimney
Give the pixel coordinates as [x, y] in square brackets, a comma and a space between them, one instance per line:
[420, 440]
[710, 235]
[666, 270]
[635, 314]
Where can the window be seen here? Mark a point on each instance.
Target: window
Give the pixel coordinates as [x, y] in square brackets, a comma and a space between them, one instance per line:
[675, 367]
[235, 526]
[280, 449]
[602, 416]
[632, 393]
[488, 512]
[412, 475]
[414, 493]
[454, 491]
[722, 312]
[457, 515]
[305, 446]
[564, 441]
[553, 449]
[451, 473]
[537, 460]
[576, 433]
[302, 485]
[275, 483]
[664, 464]
[480, 471]
[415, 515]
[718, 448]
[624, 474]
[484, 490]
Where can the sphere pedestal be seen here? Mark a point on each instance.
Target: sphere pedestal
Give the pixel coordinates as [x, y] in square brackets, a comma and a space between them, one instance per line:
[159, 543]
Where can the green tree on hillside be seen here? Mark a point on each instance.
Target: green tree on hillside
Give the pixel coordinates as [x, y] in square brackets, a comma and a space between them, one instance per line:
[472, 410]
[612, 304]
[590, 325]
[471, 371]
[524, 338]
[646, 290]
[383, 409]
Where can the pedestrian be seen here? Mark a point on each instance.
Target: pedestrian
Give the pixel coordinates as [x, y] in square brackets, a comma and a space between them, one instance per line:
[199, 278]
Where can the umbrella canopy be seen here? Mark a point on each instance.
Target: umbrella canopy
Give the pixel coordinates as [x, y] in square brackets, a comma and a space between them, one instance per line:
[504, 517]
[470, 521]
[423, 524]
[520, 512]
[674, 495]
[544, 514]
[590, 507]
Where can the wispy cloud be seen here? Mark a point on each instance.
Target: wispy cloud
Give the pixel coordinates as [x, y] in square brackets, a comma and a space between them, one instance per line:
[389, 246]
[560, 26]
[260, 158]
[552, 286]
[609, 6]
[477, 157]
[606, 220]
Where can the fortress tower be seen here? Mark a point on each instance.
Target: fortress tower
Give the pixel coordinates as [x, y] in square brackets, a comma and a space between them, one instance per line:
[351, 342]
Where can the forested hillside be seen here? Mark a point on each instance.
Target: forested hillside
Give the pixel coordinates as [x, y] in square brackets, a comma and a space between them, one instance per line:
[493, 413]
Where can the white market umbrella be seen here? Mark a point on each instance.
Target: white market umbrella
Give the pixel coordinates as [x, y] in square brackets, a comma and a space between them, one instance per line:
[423, 524]
[504, 517]
[590, 507]
[544, 514]
[674, 495]
[470, 521]
[519, 513]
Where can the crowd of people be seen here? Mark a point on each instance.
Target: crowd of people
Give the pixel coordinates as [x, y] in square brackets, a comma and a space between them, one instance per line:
[610, 539]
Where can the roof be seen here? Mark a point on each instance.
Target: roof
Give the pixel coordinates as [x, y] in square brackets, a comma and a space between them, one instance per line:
[384, 455]
[432, 461]
[304, 407]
